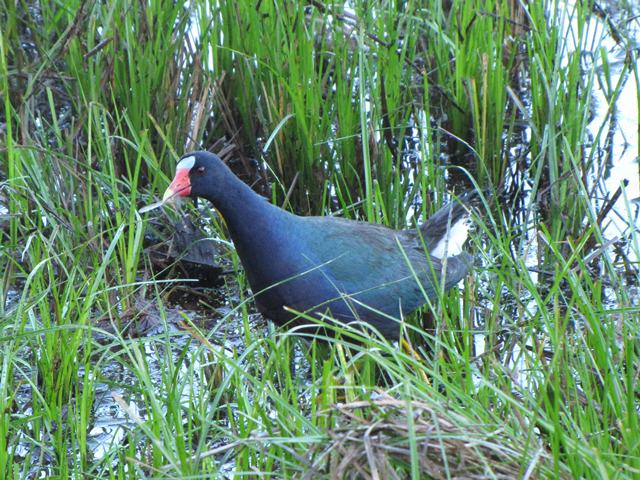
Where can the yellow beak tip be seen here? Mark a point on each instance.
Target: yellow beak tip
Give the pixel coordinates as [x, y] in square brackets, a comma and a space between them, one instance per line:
[168, 195]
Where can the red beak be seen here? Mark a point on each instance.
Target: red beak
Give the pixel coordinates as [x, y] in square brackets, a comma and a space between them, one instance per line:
[180, 187]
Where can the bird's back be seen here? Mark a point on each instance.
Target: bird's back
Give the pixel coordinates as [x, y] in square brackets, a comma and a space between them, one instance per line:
[355, 270]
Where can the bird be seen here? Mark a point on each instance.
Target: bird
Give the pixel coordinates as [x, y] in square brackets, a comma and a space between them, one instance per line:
[318, 267]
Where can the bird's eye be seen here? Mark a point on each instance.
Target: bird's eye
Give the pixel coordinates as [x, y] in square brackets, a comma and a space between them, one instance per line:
[200, 170]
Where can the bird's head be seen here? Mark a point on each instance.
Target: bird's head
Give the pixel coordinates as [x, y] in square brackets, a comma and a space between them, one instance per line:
[197, 175]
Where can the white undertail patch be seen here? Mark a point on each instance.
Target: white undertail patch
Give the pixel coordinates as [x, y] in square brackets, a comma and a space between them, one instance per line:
[187, 162]
[451, 244]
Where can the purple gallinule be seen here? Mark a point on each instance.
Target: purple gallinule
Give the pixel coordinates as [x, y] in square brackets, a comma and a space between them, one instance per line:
[357, 271]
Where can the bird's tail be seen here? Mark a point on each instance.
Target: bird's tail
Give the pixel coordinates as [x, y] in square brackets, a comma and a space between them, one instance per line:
[446, 231]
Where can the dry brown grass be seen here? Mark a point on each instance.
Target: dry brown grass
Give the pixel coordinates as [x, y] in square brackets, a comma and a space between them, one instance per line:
[378, 446]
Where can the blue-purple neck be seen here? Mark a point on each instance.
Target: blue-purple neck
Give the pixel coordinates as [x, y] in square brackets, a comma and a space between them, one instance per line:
[251, 219]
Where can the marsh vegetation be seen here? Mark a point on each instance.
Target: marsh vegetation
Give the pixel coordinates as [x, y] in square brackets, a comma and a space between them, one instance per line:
[113, 364]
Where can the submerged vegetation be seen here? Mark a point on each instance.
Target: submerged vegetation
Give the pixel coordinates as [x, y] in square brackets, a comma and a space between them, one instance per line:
[374, 111]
